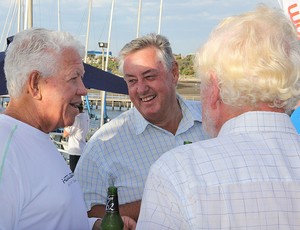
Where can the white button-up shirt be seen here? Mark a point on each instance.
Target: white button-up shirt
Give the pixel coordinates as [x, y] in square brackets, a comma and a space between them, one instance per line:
[246, 178]
[122, 151]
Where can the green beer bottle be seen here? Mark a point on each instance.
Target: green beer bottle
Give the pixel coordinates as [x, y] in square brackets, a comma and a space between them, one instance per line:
[112, 219]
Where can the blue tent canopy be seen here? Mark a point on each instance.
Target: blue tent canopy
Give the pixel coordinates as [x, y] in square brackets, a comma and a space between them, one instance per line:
[95, 78]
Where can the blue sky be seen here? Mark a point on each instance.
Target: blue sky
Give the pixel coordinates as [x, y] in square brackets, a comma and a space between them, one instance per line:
[187, 23]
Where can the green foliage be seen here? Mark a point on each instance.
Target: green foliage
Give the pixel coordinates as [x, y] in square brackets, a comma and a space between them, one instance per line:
[185, 64]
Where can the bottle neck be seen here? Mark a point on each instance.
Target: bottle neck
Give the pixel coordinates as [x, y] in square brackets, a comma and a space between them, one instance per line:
[112, 204]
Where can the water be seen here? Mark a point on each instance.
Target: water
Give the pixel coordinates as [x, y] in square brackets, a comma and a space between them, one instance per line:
[96, 114]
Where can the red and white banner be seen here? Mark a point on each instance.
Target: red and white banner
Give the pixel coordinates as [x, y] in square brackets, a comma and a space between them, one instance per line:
[292, 10]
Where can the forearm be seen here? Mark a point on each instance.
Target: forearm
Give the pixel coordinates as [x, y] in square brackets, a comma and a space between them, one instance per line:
[130, 209]
[97, 211]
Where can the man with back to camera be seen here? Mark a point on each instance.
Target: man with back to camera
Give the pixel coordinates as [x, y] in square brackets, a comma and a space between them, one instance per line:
[247, 176]
[122, 151]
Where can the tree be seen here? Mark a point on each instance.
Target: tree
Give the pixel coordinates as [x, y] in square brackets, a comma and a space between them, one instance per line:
[186, 69]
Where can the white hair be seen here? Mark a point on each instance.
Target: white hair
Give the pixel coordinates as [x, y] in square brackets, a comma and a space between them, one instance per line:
[35, 50]
[256, 58]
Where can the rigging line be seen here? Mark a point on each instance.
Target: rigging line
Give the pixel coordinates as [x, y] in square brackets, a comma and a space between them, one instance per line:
[6, 149]
[103, 27]
[12, 20]
[80, 30]
[88, 30]
[93, 27]
[5, 24]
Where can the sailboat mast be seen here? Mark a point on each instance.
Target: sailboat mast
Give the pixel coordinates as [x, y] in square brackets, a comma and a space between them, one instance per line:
[103, 93]
[109, 34]
[28, 15]
[88, 31]
[160, 15]
[138, 21]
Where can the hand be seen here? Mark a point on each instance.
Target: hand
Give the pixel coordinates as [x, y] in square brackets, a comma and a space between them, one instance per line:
[97, 224]
[129, 223]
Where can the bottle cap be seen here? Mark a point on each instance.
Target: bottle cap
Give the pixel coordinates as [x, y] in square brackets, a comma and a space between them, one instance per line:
[112, 190]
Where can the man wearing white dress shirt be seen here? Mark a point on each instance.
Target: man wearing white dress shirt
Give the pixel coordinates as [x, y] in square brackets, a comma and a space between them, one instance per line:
[248, 175]
[122, 151]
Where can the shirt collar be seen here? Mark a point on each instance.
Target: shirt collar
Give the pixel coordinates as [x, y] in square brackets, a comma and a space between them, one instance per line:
[258, 121]
[190, 115]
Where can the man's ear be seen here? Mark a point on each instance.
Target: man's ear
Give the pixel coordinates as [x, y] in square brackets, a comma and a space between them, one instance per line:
[175, 71]
[215, 91]
[34, 83]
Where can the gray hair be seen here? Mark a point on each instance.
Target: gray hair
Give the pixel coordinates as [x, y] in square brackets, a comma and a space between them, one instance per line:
[161, 43]
[35, 50]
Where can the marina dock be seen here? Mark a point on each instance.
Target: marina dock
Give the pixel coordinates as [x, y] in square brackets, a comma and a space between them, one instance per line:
[115, 101]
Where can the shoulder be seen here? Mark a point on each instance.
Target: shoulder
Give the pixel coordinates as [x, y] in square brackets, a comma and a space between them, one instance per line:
[191, 110]
[193, 106]
[188, 155]
[187, 163]
[9, 126]
[123, 120]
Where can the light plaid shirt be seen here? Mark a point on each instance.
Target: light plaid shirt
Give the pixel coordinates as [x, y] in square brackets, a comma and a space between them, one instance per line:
[246, 178]
[122, 151]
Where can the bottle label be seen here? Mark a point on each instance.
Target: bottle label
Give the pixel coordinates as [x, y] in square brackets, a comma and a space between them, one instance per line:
[112, 204]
